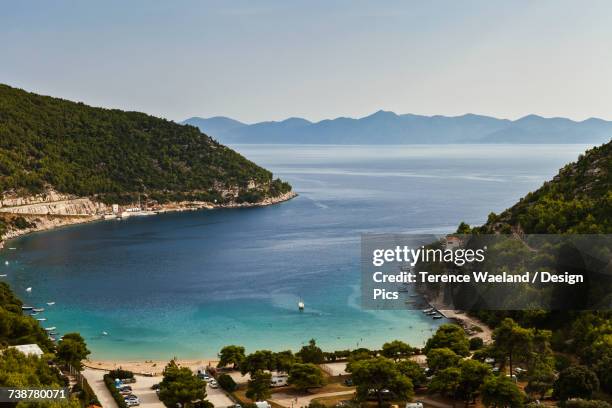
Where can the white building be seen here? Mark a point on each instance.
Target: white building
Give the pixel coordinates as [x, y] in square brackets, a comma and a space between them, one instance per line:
[29, 349]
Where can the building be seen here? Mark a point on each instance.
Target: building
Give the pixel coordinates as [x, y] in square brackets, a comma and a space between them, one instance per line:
[29, 349]
[452, 242]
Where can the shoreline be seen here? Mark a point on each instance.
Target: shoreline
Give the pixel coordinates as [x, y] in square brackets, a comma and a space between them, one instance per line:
[48, 222]
[147, 367]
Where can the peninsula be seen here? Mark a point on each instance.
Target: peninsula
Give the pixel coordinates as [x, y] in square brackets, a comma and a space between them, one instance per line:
[64, 162]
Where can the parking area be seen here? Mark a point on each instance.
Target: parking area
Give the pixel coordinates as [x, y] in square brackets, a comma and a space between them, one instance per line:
[218, 397]
[142, 388]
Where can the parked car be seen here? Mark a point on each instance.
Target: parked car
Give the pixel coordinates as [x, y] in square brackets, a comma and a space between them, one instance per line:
[132, 398]
[128, 380]
[348, 382]
[213, 383]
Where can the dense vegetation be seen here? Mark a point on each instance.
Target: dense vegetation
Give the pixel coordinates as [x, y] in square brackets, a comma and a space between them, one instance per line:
[16, 327]
[577, 200]
[18, 370]
[114, 155]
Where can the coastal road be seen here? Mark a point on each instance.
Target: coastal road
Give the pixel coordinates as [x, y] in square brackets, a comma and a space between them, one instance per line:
[94, 378]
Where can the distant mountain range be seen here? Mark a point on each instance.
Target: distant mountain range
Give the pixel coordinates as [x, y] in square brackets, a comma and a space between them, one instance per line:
[385, 127]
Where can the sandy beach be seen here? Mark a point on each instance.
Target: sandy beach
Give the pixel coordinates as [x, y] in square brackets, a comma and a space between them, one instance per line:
[146, 367]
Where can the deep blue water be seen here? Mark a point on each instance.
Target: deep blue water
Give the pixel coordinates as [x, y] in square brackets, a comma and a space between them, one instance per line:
[185, 284]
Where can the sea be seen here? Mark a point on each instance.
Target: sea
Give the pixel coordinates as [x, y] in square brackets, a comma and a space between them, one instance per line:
[186, 284]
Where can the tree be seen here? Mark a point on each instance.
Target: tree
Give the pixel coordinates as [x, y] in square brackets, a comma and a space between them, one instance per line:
[473, 374]
[311, 353]
[513, 341]
[446, 382]
[501, 392]
[258, 361]
[575, 382]
[476, 343]
[258, 388]
[180, 386]
[233, 355]
[413, 371]
[227, 382]
[284, 360]
[461, 381]
[361, 353]
[441, 358]
[305, 376]
[396, 350]
[463, 228]
[449, 336]
[540, 379]
[72, 350]
[378, 374]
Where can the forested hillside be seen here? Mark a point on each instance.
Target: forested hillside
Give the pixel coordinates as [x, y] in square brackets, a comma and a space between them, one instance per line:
[577, 200]
[113, 155]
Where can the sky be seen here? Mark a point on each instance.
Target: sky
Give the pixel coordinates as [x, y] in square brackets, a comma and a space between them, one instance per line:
[270, 60]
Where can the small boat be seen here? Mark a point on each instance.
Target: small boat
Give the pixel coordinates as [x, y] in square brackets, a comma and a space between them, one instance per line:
[12, 248]
[34, 313]
[403, 290]
[42, 319]
[301, 305]
[38, 309]
[433, 312]
[431, 309]
[3, 275]
[51, 338]
[26, 308]
[6, 262]
[29, 290]
[437, 317]
[50, 303]
[104, 333]
[50, 328]
[53, 333]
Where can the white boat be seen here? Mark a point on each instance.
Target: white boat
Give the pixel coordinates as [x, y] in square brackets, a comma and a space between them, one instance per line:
[24, 307]
[50, 328]
[50, 303]
[104, 333]
[6, 262]
[42, 319]
[38, 309]
[12, 248]
[29, 290]
[3, 275]
[301, 305]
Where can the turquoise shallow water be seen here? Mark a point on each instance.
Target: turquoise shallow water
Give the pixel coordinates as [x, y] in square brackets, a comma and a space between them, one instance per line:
[186, 284]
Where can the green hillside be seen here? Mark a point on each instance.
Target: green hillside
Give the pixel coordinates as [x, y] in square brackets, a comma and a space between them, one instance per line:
[114, 155]
[577, 200]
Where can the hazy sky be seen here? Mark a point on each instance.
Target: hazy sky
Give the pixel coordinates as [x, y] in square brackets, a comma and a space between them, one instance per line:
[269, 60]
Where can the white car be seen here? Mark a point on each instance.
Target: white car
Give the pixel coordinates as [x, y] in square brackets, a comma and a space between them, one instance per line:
[213, 384]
